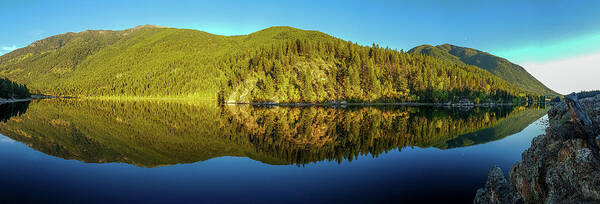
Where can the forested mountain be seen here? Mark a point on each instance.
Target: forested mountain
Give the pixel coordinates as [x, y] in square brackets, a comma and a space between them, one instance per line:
[278, 64]
[498, 66]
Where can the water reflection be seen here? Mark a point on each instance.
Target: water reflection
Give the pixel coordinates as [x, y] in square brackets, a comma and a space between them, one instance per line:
[9, 110]
[155, 133]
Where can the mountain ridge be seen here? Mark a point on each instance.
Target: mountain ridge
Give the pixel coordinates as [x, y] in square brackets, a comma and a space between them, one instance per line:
[498, 66]
[278, 64]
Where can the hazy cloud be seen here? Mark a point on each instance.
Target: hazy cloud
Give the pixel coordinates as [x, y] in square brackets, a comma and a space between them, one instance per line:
[568, 75]
[542, 52]
[7, 49]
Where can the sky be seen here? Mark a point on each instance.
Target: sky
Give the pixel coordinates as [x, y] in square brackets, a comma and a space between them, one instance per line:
[557, 41]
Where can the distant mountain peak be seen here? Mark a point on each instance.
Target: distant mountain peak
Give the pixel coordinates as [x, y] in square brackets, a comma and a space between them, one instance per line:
[275, 30]
[147, 26]
[279, 28]
[286, 32]
[498, 66]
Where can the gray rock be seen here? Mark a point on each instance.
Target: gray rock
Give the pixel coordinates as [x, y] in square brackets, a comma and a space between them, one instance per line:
[559, 167]
[497, 189]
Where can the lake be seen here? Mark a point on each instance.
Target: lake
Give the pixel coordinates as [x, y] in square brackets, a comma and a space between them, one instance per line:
[165, 151]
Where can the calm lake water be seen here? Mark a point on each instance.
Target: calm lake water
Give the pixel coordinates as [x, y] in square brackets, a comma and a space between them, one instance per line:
[91, 151]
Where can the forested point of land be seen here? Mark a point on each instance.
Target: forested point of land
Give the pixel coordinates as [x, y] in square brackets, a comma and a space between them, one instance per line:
[278, 64]
[9, 89]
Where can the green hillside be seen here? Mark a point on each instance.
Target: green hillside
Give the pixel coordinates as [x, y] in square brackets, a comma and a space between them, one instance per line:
[278, 64]
[498, 66]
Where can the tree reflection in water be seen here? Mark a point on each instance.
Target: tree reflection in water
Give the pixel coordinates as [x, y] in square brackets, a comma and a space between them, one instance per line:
[156, 133]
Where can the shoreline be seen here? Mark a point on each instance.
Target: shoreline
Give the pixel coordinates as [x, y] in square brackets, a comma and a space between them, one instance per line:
[341, 104]
[130, 98]
[299, 104]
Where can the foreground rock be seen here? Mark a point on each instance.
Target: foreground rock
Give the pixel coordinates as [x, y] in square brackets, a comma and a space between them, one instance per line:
[561, 166]
[497, 189]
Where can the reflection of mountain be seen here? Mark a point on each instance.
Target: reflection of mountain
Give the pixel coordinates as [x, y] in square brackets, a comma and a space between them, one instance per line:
[161, 133]
[512, 124]
[140, 133]
[303, 135]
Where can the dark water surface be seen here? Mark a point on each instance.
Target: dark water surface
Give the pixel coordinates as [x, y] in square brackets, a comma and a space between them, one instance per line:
[92, 151]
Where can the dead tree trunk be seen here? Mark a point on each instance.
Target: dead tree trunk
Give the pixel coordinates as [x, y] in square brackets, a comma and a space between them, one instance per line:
[584, 126]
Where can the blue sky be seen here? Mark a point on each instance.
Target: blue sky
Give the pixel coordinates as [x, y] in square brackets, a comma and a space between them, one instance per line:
[526, 32]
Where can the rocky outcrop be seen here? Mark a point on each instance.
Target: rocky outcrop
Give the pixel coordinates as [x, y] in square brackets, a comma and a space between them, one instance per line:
[561, 166]
[497, 189]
